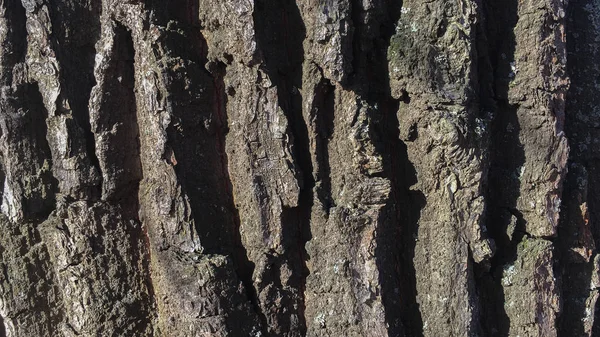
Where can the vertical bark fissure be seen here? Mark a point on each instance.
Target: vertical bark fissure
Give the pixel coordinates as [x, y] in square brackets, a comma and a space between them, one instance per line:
[118, 133]
[76, 29]
[374, 28]
[506, 158]
[2, 328]
[102, 258]
[29, 187]
[195, 149]
[322, 116]
[578, 233]
[527, 164]
[127, 195]
[244, 267]
[14, 43]
[279, 24]
[196, 133]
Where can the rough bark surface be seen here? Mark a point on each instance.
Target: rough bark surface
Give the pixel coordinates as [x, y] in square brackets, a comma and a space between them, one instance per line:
[299, 168]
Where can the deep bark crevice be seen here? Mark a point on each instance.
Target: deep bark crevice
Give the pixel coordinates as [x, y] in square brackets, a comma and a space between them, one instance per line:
[15, 44]
[121, 130]
[2, 328]
[76, 29]
[126, 194]
[196, 132]
[27, 161]
[404, 207]
[409, 203]
[506, 159]
[40, 207]
[244, 267]
[280, 33]
[30, 165]
[578, 233]
[323, 114]
[398, 220]
[196, 136]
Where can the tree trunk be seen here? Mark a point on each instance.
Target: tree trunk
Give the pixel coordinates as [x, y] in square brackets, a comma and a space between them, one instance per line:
[299, 168]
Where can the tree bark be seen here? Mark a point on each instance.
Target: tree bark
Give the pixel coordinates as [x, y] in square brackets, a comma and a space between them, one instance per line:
[299, 168]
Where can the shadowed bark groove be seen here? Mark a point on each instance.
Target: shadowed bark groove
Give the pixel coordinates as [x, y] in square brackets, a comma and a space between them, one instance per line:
[578, 233]
[200, 158]
[28, 297]
[76, 30]
[28, 188]
[118, 130]
[528, 163]
[504, 221]
[441, 124]
[371, 80]
[279, 34]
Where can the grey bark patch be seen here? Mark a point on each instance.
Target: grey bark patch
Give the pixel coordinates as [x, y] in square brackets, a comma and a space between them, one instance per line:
[292, 168]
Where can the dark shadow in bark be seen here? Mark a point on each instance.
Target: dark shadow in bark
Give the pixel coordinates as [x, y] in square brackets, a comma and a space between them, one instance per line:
[506, 160]
[280, 33]
[576, 272]
[196, 134]
[324, 105]
[404, 211]
[14, 47]
[196, 137]
[76, 28]
[594, 214]
[23, 121]
[244, 267]
[581, 129]
[23, 116]
[398, 221]
[43, 203]
[2, 328]
[118, 116]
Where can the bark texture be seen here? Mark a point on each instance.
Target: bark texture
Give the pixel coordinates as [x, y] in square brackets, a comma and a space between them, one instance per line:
[299, 168]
